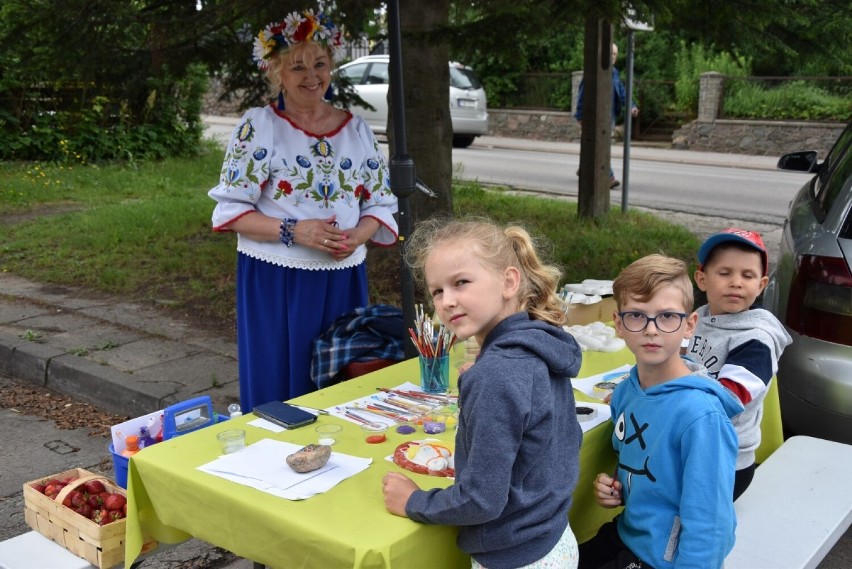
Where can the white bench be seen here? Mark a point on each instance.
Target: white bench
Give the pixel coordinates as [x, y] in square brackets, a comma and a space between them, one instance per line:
[796, 508]
[32, 550]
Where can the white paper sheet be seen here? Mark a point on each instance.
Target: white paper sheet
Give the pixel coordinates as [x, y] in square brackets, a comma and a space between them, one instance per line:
[267, 425]
[263, 466]
[587, 384]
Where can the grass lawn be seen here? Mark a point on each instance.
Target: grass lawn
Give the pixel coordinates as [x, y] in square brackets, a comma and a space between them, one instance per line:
[143, 231]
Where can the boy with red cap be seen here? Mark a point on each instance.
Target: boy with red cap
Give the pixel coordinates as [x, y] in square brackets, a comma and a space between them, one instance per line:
[738, 343]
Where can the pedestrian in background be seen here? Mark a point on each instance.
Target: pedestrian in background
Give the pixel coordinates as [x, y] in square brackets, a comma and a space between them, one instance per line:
[304, 185]
[619, 102]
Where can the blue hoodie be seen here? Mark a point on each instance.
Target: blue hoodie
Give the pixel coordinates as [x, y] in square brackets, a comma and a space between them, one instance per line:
[677, 452]
[517, 447]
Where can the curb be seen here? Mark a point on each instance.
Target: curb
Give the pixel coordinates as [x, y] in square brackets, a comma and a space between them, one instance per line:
[120, 356]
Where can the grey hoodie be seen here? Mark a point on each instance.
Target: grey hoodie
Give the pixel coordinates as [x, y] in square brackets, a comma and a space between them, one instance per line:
[743, 348]
[517, 447]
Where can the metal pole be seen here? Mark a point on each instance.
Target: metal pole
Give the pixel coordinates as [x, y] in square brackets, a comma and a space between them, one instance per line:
[402, 171]
[628, 125]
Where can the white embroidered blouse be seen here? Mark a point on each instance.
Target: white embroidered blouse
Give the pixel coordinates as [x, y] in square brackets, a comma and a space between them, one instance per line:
[274, 167]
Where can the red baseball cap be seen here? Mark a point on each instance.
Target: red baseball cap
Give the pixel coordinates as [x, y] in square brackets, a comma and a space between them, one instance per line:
[744, 236]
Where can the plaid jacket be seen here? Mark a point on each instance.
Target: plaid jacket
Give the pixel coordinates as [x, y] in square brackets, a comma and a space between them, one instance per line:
[366, 333]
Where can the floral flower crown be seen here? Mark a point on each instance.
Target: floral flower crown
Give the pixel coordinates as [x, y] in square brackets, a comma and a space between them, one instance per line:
[297, 28]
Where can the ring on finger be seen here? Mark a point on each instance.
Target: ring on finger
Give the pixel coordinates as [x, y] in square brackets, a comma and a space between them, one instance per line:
[325, 242]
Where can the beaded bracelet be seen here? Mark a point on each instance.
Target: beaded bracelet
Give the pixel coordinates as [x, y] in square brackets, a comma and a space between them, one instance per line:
[285, 233]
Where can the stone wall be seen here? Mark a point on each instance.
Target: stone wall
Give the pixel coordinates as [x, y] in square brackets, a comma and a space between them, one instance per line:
[708, 133]
[762, 138]
[535, 125]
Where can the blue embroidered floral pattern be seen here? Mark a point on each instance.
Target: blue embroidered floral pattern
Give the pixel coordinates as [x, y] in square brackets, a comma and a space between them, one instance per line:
[319, 175]
[237, 171]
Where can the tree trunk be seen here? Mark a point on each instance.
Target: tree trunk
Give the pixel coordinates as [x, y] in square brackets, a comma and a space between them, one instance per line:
[426, 79]
[593, 195]
[428, 142]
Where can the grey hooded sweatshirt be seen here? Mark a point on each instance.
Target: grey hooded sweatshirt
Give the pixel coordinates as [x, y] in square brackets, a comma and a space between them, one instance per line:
[741, 350]
[517, 447]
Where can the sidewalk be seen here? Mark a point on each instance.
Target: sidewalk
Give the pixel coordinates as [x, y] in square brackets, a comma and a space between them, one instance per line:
[117, 355]
[637, 151]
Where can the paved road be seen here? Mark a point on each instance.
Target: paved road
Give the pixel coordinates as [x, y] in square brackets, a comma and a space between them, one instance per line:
[658, 179]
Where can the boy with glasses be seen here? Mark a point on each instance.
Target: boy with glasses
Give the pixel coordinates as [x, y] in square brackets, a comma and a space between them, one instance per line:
[738, 344]
[673, 436]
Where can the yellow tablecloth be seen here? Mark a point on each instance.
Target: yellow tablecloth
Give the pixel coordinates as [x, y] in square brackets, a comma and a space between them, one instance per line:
[348, 526]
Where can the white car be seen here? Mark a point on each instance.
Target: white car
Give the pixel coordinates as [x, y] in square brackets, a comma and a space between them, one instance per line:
[369, 76]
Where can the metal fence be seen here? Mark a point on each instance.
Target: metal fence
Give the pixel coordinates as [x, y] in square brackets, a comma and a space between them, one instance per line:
[353, 49]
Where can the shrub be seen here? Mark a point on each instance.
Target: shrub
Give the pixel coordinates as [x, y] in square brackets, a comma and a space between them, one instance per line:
[68, 122]
[692, 61]
[797, 100]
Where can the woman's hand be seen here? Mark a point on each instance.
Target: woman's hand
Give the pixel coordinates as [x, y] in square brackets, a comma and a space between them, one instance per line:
[353, 238]
[397, 489]
[607, 491]
[320, 234]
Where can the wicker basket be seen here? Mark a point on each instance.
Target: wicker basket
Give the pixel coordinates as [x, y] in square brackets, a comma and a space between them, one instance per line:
[99, 545]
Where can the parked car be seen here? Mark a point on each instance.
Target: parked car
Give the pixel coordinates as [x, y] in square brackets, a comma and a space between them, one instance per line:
[369, 75]
[810, 291]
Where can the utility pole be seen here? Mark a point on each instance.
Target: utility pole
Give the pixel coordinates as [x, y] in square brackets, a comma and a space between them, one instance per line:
[402, 171]
[632, 25]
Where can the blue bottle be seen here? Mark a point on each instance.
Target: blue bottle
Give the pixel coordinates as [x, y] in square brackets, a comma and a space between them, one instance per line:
[145, 438]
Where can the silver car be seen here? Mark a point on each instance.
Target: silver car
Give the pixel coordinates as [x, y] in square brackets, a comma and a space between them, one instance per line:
[810, 291]
[370, 77]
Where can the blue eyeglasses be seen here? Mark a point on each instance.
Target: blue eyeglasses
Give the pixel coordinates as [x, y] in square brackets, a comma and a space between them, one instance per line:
[667, 322]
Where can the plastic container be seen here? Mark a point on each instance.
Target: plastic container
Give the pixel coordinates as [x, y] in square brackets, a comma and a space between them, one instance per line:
[435, 374]
[327, 434]
[132, 446]
[119, 465]
[374, 433]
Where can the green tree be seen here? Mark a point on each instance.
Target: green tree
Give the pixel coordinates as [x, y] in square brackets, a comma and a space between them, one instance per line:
[95, 79]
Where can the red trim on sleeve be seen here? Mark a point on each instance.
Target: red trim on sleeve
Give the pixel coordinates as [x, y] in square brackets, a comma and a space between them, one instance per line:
[224, 227]
[395, 234]
[741, 392]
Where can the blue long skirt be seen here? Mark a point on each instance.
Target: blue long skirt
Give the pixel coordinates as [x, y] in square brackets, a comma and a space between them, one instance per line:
[279, 313]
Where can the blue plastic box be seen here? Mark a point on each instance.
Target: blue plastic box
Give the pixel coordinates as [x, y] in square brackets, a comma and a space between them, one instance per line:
[120, 462]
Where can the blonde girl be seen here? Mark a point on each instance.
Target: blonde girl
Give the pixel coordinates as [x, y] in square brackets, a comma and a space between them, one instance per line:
[517, 445]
